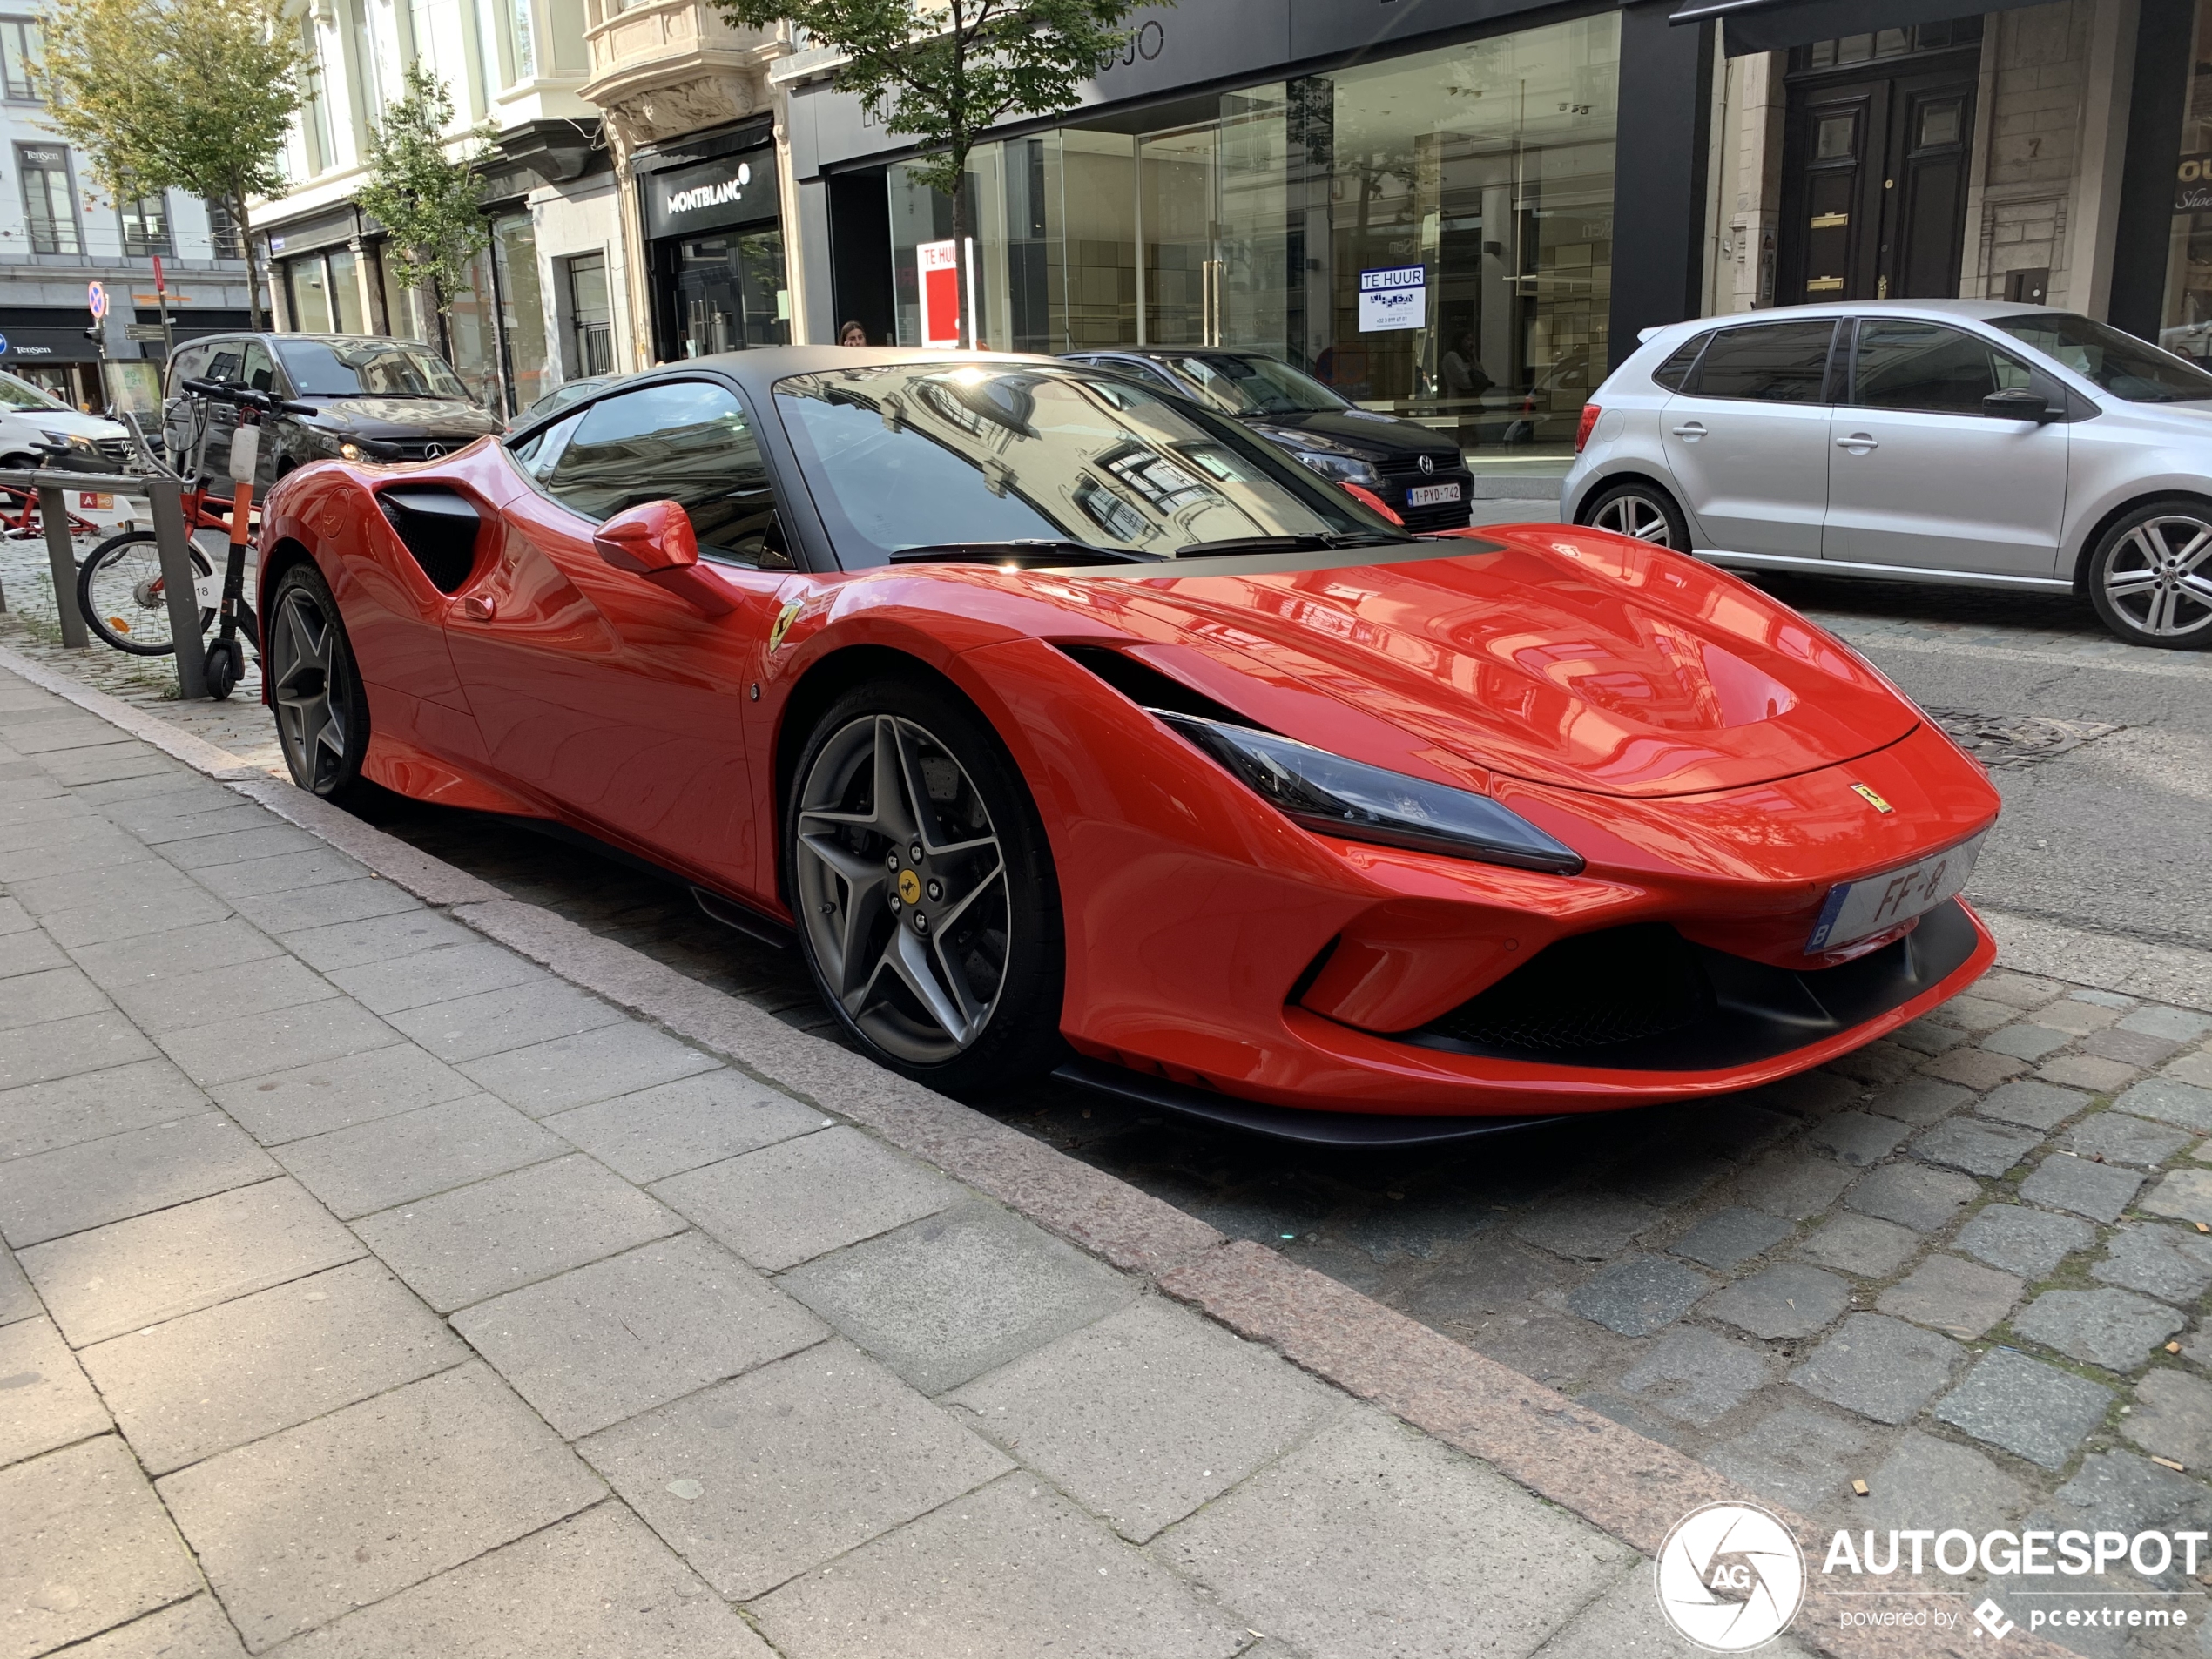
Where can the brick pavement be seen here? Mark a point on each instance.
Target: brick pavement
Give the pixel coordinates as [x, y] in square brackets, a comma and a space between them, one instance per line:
[372, 1290]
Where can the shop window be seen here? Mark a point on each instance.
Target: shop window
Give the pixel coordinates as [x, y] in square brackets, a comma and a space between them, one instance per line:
[2186, 323]
[1471, 187]
[21, 48]
[307, 287]
[49, 204]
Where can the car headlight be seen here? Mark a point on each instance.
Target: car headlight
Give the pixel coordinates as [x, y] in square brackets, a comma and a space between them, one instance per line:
[1337, 463]
[74, 441]
[350, 451]
[1327, 792]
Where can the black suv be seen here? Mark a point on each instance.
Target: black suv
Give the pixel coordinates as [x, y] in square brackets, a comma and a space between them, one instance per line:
[1419, 473]
[376, 399]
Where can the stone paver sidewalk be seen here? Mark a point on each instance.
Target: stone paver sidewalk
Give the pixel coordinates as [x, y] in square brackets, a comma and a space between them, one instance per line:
[371, 1291]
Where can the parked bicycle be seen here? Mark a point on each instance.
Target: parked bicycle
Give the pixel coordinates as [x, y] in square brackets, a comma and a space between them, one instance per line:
[120, 586]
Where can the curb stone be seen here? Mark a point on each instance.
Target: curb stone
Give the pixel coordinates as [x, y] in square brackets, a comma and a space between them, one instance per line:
[1629, 1486]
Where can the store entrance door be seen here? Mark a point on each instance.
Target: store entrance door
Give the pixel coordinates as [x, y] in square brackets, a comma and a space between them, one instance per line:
[722, 291]
[1874, 177]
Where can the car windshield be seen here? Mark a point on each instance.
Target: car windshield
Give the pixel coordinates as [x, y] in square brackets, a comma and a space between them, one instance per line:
[22, 395]
[2121, 364]
[366, 368]
[1255, 385]
[936, 455]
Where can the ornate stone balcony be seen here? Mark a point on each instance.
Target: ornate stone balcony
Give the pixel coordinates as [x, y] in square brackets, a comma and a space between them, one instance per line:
[667, 67]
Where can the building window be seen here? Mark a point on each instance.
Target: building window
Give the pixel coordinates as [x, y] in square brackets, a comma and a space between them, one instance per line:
[223, 234]
[1471, 187]
[48, 202]
[21, 49]
[591, 319]
[325, 292]
[1888, 43]
[145, 227]
[2186, 324]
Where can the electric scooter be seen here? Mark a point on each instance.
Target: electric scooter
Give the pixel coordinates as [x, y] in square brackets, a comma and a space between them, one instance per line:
[225, 657]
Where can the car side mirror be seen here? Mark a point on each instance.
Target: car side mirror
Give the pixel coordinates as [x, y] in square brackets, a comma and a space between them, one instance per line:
[656, 541]
[2020, 403]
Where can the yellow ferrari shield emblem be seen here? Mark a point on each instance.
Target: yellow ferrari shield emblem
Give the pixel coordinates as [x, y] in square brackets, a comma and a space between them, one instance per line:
[1871, 799]
[909, 885]
[784, 619]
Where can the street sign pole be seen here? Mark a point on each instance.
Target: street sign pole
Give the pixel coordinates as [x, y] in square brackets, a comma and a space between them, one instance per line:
[161, 298]
[96, 302]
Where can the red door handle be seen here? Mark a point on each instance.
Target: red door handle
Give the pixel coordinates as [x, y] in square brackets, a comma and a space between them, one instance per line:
[478, 608]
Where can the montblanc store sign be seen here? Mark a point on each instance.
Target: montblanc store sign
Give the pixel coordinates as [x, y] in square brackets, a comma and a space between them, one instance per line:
[729, 190]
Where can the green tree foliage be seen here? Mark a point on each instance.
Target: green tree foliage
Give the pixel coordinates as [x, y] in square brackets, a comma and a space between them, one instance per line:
[428, 195]
[190, 94]
[945, 71]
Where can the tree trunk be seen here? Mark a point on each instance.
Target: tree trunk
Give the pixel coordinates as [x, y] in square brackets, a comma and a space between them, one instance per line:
[959, 254]
[256, 312]
[444, 325]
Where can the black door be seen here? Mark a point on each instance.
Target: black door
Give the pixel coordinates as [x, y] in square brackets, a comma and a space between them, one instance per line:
[1874, 173]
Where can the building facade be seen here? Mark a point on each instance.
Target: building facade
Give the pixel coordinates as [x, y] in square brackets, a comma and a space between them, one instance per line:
[1464, 211]
[60, 231]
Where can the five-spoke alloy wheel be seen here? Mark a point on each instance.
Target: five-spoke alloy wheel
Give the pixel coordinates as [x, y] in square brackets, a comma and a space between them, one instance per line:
[1638, 510]
[2150, 577]
[923, 888]
[321, 712]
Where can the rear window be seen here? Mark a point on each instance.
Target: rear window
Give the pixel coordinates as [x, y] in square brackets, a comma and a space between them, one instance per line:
[1774, 363]
[1672, 373]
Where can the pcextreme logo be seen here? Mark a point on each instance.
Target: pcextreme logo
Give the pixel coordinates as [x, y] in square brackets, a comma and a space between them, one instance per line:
[1730, 1577]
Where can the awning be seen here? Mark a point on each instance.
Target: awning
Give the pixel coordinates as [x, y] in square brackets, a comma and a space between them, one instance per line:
[1775, 25]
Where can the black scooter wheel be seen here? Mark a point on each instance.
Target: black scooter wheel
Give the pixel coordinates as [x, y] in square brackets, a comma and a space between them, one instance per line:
[222, 670]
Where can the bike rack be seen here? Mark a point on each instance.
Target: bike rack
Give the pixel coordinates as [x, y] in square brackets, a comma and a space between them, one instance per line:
[165, 496]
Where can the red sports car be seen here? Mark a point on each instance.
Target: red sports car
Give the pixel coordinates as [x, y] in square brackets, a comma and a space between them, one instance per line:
[1065, 722]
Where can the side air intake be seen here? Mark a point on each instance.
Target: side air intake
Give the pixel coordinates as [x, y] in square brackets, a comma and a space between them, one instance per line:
[439, 527]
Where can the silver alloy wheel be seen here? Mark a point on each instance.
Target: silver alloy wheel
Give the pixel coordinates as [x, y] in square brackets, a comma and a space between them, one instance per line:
[902, 888]
[306, 683]
[1636, 515]
[2158, 579]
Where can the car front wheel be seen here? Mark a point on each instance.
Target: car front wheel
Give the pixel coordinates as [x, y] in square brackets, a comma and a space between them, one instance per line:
[321, 709]
[927, 907]
[2150, 577]
[1643, 511]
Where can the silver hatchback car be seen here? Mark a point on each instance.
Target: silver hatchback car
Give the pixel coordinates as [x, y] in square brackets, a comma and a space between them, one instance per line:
[1952, 440]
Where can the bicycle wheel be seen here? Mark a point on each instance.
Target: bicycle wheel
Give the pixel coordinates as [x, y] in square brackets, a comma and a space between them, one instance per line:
[119, 595]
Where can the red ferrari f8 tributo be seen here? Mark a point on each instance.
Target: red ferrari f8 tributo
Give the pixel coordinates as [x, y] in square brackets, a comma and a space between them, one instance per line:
[1065, 722]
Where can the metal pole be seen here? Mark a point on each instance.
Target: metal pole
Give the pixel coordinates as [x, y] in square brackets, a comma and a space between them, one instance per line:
[61, 558]
[175, 547]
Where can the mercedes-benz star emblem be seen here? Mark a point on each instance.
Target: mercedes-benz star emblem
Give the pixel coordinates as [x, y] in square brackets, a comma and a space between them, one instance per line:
[433, 451]
[1428, 463]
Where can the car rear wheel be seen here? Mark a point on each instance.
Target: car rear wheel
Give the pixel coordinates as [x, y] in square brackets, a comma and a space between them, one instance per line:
[322, 711]
[2150, 577]
[924, 890]
[1638, 510]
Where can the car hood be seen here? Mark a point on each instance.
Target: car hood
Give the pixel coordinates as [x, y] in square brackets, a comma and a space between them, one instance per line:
[73, 422]
[1385, 435]
[402, 417]
[1564, 656]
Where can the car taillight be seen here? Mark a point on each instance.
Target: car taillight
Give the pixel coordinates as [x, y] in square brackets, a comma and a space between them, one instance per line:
[1583, 427]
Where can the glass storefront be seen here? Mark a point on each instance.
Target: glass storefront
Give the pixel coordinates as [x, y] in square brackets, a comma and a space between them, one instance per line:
[717, 249]
[495, 327]
[727, 290]
[2186, 324]
[1430, 235]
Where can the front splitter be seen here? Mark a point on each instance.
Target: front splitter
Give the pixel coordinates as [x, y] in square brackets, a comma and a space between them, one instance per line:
[1370, 1130]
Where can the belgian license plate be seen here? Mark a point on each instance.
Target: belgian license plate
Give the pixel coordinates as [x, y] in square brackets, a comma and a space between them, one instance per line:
[1857, 909]
[1432, 495]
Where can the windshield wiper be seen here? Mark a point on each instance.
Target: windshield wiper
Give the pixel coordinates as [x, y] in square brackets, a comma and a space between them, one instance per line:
[1310, 544]
[1028, 553]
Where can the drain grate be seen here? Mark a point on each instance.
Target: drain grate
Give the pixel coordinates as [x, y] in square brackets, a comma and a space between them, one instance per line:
[2017, 740]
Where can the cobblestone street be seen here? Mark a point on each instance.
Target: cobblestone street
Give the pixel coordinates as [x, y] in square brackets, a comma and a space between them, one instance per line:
[1966, 1267]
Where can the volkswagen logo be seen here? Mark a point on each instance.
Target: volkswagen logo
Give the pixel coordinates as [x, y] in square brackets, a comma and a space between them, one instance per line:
[1428, 463]
[433, 451]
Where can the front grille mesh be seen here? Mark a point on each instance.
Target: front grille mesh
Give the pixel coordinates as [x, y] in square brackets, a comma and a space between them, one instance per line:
[1593, 991]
